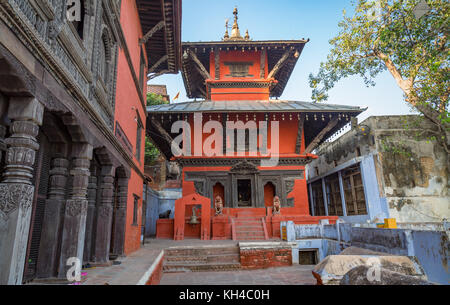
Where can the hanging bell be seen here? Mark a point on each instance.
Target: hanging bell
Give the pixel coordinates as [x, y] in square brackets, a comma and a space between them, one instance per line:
[193, 220]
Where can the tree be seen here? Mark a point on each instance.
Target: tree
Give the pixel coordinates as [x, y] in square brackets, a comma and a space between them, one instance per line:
[408, 38]
[151, 151]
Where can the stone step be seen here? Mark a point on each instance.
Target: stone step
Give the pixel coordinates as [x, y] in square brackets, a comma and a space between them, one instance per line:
[250, 235]
[229, 258]
[250, 228]
[220, 258]
[191, 267]
[252, 224]
[250, 238]
[200, 251]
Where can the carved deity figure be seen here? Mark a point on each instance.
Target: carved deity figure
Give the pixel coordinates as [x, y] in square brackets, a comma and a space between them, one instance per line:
[276, 205]
[218, 204]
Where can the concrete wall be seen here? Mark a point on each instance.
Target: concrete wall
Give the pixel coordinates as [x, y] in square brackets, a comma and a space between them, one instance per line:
[405, 176]
[431, 248]
[159, 202]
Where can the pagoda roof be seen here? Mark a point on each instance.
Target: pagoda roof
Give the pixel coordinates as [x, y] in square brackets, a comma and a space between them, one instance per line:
[161, 26]
[252, 106]
[319, 115]
[195, 83]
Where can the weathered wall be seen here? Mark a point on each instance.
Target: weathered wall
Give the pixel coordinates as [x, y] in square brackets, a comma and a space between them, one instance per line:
[431, 247]
[405, 175]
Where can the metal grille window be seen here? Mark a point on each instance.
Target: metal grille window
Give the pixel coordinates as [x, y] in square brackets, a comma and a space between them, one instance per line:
[355, 199]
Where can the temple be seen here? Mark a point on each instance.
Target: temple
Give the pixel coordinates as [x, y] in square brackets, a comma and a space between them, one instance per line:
[241, 150]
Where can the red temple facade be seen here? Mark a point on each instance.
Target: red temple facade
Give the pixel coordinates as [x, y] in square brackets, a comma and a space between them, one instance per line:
[238, 144]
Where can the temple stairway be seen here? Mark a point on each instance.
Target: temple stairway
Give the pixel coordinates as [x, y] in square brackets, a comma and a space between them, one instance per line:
[205, 258]
[249, 228]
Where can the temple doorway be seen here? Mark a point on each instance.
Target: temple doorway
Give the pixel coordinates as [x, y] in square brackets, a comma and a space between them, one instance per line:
[244, 188]
[269, 194]
[219, 190]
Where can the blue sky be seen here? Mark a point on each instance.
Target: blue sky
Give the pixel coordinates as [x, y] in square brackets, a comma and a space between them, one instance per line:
[204, 20]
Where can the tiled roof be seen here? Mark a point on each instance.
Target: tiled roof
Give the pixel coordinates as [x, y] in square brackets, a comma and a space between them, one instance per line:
[253, 106]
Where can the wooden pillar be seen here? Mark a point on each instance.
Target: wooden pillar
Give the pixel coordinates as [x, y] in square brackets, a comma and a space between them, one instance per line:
[312, 200]
[92, 200]
[120, 217]
[48, 249]
[16, 188]
[104, 216]
[2, 141]
[341, 190]
[325, 198]
[72, 243]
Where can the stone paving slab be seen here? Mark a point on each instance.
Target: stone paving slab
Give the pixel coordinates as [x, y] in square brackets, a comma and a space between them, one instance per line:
[134, 266]
[293, 275]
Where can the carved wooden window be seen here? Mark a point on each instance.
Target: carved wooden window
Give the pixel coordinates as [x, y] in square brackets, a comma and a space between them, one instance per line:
[104, 59]
[138, 138]
[333, 196]
[239, 69]
[355, 199]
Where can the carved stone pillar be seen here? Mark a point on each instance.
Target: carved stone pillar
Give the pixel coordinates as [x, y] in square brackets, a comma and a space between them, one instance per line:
[89, 237]
[72, 243]
[16, 189]
[2, 141]
[48, 249]
[104, 216]
[120, 217]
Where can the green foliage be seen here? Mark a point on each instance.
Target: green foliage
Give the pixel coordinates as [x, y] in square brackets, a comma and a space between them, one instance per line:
[413, 48]
[155, 99]
[151, 152]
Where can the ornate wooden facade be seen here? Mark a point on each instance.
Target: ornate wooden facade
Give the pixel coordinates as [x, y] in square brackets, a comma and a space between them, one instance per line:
[67, 170]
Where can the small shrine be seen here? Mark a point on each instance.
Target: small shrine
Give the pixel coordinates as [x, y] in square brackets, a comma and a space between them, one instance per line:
[239, 146]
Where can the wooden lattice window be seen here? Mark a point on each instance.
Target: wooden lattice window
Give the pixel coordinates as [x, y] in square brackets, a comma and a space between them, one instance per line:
[239, 69]
[319, 206]
[355, 199]
[333, 196]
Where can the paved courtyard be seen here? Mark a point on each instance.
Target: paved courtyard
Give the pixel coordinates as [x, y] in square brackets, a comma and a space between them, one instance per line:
[294, 275]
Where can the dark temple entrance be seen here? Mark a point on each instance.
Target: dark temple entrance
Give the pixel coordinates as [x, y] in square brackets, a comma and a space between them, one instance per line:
[244, 188]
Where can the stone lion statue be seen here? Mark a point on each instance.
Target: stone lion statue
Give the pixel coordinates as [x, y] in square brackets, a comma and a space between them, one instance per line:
[218, 205]
[276, 205]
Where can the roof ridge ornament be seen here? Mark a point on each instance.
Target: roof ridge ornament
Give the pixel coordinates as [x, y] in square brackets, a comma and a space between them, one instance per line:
[235, 33]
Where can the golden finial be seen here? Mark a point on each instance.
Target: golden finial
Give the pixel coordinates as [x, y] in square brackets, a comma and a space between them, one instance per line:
[247, 36]
[226, 36]
[235, 34]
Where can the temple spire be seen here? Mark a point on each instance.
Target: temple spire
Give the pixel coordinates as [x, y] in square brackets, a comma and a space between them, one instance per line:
[235, 33]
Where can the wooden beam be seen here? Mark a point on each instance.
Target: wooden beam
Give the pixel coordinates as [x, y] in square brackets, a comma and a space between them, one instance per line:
[203, 92]
[165, 135]
[150, 77]
[262, 71]
[279, 64]
[217, 62]
[298, 144]
[200, 66]
[158, 63]
[314, 143]
[152, 31]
